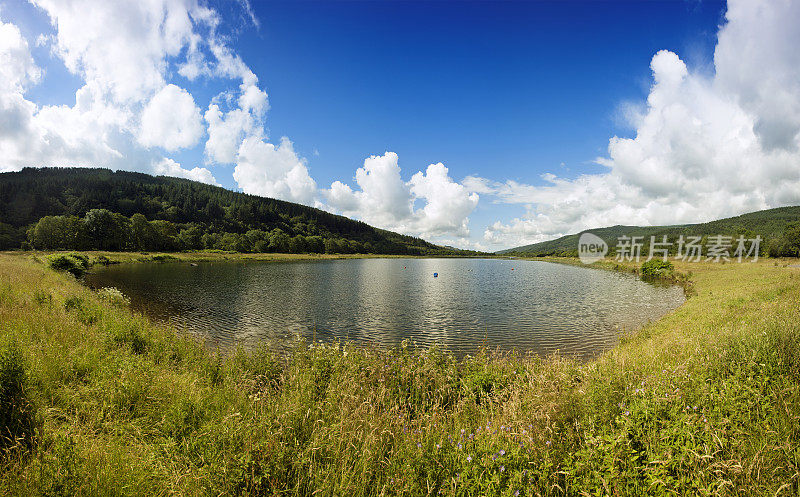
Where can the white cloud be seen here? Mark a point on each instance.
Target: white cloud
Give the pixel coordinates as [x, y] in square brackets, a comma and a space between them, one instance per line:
[448, 204]
[270, 171]
[125, 53]
[171, 120]
[48, 135]
[123, 46]
[704, 148]
[385, 200]
[168, 167]
[227, 130]
[18, 70]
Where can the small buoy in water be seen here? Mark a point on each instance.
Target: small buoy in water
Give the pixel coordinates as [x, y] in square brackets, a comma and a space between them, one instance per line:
[435, 275]
[193, 264]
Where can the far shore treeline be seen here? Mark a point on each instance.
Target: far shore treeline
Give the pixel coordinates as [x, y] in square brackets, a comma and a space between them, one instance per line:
[97, 209]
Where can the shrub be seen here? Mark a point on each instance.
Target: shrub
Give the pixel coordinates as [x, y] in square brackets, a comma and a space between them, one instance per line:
[657, 268]
[17, 412]
[73, 263]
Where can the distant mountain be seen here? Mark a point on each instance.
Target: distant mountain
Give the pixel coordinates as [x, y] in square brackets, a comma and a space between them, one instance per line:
[770, 224]
[101, 209]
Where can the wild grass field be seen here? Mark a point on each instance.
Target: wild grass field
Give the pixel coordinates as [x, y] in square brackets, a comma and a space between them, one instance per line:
[95, 400]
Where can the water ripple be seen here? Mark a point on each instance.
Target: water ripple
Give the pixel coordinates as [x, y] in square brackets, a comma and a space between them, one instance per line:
[537, 307]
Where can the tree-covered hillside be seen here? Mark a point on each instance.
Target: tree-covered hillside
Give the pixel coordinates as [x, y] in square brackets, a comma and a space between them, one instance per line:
[778, 229]
[81, 208]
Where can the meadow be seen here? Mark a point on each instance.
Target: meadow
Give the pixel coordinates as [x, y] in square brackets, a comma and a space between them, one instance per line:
[96, 400]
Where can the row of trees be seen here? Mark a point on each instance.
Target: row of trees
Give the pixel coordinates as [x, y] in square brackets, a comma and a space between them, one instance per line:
[787, 245]
[103, 209]
[101, 229]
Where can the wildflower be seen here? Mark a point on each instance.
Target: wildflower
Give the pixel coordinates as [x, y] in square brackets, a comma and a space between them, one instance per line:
[459, 445]
[471, 436]
[548, 442]
[502, 468]
[462, 431]
[438, 446]
[502, 452]
[627, 413]
[516, 494]
[419, 445]
[469, 458]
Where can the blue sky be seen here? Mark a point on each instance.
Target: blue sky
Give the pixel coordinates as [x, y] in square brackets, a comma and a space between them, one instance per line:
[478, 124]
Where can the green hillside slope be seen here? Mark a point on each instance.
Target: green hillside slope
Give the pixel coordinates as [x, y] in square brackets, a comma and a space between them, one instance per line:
[82, 208]
[771, 225]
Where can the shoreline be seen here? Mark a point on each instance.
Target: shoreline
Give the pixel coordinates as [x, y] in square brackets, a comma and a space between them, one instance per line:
[681, 405]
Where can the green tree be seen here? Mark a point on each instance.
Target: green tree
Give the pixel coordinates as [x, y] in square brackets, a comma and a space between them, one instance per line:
[191, 237]
[331, 247]
[278, 241]
[10, 237]
[58, 232]
[297, 244]
[166, 235]
[106, 230]
[142, 235]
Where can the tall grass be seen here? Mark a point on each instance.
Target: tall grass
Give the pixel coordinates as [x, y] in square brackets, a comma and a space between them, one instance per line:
[705, 401]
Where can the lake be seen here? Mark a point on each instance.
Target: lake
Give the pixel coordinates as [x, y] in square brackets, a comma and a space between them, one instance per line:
[530, 306]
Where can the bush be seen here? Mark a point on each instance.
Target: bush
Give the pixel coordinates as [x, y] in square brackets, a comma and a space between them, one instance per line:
[17, 412]
[657, 268]
[73, 263]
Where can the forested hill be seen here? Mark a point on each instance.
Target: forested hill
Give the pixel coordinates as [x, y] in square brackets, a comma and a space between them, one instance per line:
[779, 229]
[81, 208]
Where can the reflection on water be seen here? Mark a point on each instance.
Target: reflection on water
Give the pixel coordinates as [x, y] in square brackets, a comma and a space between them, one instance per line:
[508, 304]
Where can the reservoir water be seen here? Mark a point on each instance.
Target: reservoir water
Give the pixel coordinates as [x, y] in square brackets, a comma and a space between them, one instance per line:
[530, 306]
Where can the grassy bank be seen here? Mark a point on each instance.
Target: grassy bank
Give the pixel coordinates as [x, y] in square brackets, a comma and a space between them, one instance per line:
[96, 400]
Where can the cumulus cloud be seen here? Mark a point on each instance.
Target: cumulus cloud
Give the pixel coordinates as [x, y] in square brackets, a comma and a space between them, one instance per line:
[383, 199]
[18, 69]
[168, 167]
[226, 130]
[125, 53]
[704, 147]
[171, 120]
[270, 171]
[48, 135]
[447, 203]
[123, 46]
